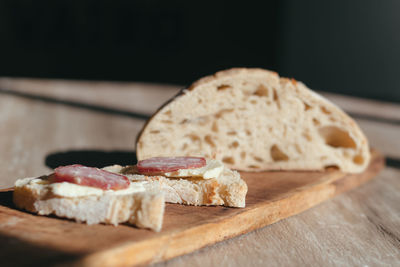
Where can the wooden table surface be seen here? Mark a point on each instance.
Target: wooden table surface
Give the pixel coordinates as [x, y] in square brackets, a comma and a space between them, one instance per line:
[45, 123]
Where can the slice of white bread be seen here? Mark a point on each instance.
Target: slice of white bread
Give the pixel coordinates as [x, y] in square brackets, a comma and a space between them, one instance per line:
[251, 119]
[228, 189]
[143, 209]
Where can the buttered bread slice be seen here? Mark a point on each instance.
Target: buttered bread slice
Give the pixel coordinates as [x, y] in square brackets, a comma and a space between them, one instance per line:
[212, 184]
[254, 120]
[82, 202]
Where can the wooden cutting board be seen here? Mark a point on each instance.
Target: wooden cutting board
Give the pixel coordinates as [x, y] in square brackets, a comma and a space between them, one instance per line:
[28, 239]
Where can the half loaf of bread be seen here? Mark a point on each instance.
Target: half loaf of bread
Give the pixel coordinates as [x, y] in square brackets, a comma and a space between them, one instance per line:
[254, 120]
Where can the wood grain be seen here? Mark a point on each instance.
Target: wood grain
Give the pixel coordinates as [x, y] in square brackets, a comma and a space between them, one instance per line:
[272, 196]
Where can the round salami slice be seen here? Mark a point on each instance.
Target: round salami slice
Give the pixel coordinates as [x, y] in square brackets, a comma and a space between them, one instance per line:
[88, 176]
[169, 164]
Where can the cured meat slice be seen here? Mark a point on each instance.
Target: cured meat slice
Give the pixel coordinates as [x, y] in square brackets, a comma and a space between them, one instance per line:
[169, 164]
[88, 176]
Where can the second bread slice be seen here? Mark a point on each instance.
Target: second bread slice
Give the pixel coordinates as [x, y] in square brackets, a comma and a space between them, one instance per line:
[228, 189]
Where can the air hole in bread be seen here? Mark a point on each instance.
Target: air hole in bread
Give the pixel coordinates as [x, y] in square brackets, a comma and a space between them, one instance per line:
[220, 113]
[336, 137]
[231, 133]
[358, 159]
[316, 122]
[307, 136]
[306, 106]
[228, 160]
[155, 132]
[202, 120]
[332, 119]
[331, 167]
[168, 113]
[325, 110]
[248, 132]
[214, 127]
[234, 144]
[298, 149]
[223, 87]
[243, 155]
[193, 137]
[258, 159]
[253, 166]
[185, 146]
[209, 140]
[261, 91]
[167, 121]
[253, 102]
[277, 154]
[323, 157]
[199, 101]
[276, 98]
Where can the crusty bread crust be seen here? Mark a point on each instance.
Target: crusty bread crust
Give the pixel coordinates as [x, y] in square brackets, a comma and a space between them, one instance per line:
[253, 120]
[143, 209]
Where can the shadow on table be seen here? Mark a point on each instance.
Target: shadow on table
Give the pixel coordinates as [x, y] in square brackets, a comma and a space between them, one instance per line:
[76, 104]
[91, 158]
[393, 162]
[6, 198]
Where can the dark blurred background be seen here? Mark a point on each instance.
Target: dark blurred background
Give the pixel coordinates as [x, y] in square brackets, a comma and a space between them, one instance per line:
[349, 47]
